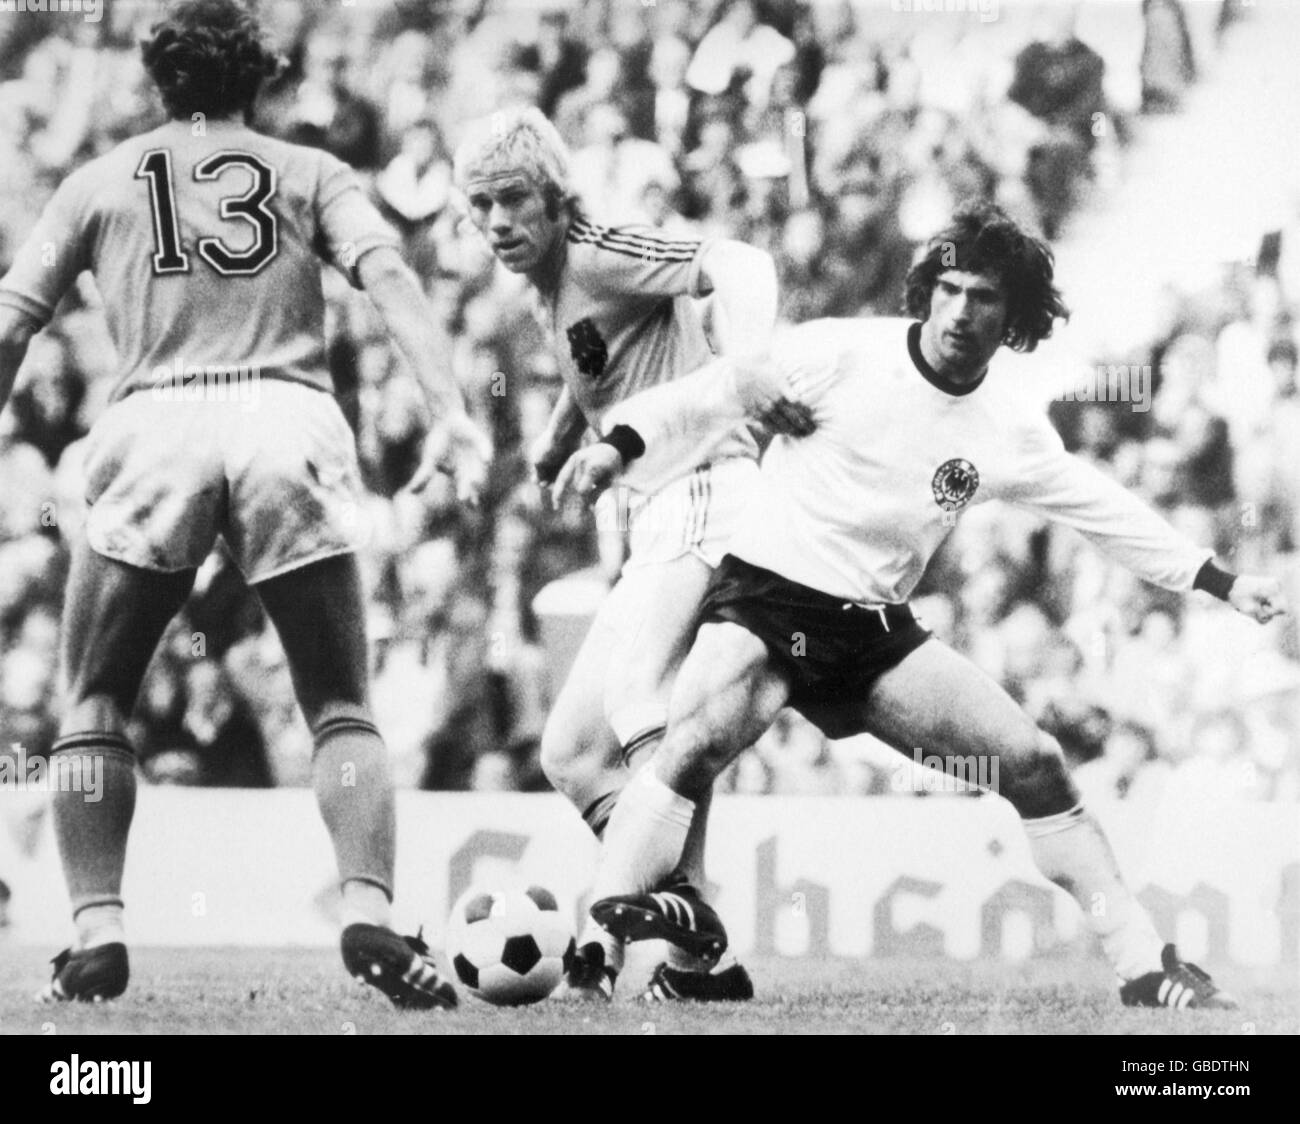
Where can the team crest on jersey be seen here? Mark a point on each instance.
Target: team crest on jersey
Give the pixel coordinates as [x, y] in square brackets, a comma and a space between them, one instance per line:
[954, 483]
[587, 347]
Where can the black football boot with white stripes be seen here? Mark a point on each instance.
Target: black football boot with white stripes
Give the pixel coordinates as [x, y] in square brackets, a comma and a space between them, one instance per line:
[1178, 984]
[728, 985]
[677, 915]
[400, 967]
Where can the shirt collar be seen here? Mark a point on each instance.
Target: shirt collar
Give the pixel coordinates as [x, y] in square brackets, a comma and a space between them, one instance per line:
[936, 380]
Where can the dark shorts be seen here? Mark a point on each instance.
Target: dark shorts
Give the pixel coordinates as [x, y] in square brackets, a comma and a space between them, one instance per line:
[832, 650]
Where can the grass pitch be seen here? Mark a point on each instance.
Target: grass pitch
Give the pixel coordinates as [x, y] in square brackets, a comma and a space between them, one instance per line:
[287, 991]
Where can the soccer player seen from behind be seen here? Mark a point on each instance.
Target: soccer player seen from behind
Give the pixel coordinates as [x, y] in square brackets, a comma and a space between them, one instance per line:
[915, 422]
[617, 303]
[206, 240]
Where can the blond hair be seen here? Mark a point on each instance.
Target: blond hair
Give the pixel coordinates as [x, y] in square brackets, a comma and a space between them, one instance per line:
[520, 139]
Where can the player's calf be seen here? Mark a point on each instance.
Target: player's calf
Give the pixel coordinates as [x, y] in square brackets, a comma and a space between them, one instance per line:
[692, 756]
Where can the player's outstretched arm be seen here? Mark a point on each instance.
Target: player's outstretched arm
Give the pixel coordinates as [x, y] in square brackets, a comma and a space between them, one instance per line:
[653, 436]
[1068, 490]
[455, 445]
[16, 331]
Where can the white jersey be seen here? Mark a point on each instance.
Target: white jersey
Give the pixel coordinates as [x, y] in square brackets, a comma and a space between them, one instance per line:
[858, 508]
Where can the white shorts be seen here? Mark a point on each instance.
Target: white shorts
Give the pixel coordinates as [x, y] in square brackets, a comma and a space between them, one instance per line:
[696, 514]
[276, 477]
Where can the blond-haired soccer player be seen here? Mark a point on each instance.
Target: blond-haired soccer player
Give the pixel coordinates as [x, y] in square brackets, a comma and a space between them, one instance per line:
[206, 240]
[618, 304]
[915, 422]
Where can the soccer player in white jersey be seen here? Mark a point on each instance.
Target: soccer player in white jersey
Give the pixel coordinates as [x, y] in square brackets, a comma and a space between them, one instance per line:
[206, 241]
[914, 423]
[617, 305]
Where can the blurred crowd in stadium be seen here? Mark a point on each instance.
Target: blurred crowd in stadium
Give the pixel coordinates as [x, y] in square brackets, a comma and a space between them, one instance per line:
[837, 139]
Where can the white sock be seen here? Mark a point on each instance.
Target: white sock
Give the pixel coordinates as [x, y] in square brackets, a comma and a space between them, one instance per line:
[1071, 851]
[691, 868]
[365, 902]
[100, 924]
[614, 952]
[645, 837]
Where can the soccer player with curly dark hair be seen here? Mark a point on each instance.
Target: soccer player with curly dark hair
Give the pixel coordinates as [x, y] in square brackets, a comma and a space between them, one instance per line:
[206, 239]
[208, 57]
[982, 238]
[914, 423]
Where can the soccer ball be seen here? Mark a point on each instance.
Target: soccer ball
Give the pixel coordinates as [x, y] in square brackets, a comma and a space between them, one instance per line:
[509, 947]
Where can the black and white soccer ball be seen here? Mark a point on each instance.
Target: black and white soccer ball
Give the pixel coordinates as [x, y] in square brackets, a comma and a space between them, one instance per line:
[509, 947]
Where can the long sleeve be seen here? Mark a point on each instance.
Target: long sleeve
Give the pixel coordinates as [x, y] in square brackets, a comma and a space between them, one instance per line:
[1072, 492]
[681, 422]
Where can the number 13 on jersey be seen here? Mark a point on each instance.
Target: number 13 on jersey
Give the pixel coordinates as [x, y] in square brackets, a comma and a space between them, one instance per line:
[170, 255]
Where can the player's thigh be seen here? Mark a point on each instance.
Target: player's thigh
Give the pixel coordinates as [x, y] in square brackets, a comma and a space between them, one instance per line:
[938, 701]
[319, 612]
[114, 615]
[293, 482]
[726, 695]
[652, 614]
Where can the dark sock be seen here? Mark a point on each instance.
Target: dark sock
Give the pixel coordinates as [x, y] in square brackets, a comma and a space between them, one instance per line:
[640, 746]
[354, 789]
[93, 775]
[597, 813]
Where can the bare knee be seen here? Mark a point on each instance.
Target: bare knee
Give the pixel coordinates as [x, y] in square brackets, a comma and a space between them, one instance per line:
[1032, 774]
[572, 758]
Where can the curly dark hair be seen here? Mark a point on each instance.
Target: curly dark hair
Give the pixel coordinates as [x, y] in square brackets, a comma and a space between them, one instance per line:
[208, 56]
[983, 238]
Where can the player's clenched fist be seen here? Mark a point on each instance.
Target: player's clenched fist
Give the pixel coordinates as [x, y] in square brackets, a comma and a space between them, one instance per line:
[588, 473]
[462, 450]
[1259, 598]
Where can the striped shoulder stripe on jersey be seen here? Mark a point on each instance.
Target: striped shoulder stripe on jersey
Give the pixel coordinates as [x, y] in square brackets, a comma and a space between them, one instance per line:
[586, 228]
[631, 245]
[646, 251]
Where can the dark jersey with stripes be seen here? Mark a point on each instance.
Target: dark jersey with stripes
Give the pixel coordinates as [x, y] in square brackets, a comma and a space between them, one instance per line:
[623, 318]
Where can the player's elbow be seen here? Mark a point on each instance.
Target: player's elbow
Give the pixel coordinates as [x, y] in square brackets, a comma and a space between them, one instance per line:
[382, 271]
